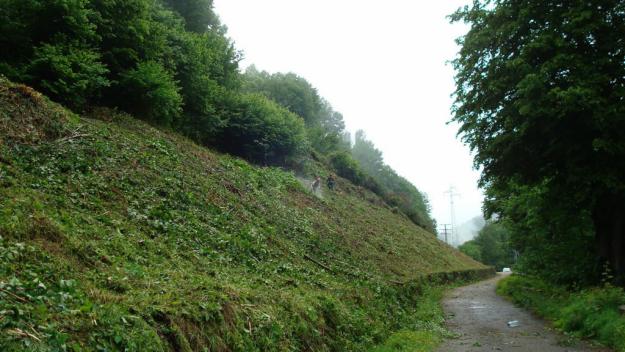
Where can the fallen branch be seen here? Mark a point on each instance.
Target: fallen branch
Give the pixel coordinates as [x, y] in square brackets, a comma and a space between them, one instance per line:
[22, 333]
[306, 256]
[19, 298]
[73, 136]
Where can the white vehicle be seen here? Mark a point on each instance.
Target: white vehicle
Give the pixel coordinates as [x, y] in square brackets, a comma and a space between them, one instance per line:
[506, 270]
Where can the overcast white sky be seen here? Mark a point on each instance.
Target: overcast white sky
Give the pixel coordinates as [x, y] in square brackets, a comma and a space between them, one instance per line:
[383, 64]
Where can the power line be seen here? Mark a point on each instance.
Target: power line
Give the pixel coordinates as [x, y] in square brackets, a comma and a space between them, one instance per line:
[452, 194]
[445, 232]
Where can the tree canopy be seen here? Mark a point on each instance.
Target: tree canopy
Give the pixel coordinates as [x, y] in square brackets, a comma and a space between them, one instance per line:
[539, 95]
[198, 14]
[491, 246]
[168, 62]
[326, 128]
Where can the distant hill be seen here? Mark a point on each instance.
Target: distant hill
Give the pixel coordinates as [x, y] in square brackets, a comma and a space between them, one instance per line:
[115, 235]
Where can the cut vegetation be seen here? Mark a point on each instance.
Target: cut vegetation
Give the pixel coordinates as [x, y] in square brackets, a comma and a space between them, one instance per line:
[119, 236]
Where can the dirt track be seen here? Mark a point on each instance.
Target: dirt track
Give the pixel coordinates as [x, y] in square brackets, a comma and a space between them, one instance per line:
[480, 318]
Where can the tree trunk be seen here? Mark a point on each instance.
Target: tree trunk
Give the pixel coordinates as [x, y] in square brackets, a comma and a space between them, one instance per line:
[609, 222]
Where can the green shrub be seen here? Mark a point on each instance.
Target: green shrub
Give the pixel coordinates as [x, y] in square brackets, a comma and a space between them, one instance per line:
[263, 132]
[207, 109]
[151, 93]
[68, 74]
[347, 167]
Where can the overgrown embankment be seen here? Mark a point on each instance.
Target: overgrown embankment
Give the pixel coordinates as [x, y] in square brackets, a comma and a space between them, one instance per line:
[119, 236]
[589, 313]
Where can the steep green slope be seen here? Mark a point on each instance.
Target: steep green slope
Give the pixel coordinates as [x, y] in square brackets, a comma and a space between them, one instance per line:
[119, 236]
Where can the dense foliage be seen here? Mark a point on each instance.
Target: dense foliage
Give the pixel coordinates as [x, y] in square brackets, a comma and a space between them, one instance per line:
[491, 246]
[539, 98]
[261, 130]
[167, 62]
[325, 127]
[347, 167]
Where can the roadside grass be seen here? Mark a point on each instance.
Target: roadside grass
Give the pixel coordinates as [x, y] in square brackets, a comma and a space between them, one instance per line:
[410, 341]
[426, 329]
[116, 236]
[588, 314]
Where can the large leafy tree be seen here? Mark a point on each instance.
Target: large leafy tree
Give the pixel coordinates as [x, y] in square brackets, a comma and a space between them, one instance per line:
[166, 61]
[198, 14]
[287, 89]
[491, 246]
[540, 91]
[51, 45]
[264, 132]
[325, 127]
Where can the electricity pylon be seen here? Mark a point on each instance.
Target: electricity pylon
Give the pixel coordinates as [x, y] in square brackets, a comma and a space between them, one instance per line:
[452, 194]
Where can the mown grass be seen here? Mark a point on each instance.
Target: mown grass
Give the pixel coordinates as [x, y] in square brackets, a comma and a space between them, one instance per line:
[116, 236]
[588, 314]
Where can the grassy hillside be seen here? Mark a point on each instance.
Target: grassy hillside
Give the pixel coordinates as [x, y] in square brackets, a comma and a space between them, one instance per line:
[119, 236]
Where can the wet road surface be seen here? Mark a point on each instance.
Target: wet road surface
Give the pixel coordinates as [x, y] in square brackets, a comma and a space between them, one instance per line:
[479, 317]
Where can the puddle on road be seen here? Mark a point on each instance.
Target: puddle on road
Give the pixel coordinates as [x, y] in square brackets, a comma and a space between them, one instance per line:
[477, 306]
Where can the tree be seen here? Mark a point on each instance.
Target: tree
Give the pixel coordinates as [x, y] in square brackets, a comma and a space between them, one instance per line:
[555, 239]
[125, 29]
[287, 89]
[539, 97]
[491, 246]
[151, 93]
[324, 126]
[264, 132]
[51, 46]
[198, 14]
[471, 249]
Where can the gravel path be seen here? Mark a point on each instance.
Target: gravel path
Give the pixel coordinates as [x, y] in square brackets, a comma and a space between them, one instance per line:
[479, 317]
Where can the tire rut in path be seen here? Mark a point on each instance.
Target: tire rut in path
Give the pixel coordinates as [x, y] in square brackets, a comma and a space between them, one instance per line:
[479, 317]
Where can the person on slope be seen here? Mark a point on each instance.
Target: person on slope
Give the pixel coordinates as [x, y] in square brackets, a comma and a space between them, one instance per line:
[331, 182]
[315, 184]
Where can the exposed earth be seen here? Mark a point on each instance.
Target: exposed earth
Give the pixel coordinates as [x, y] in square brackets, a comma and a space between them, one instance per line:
[480, 319]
